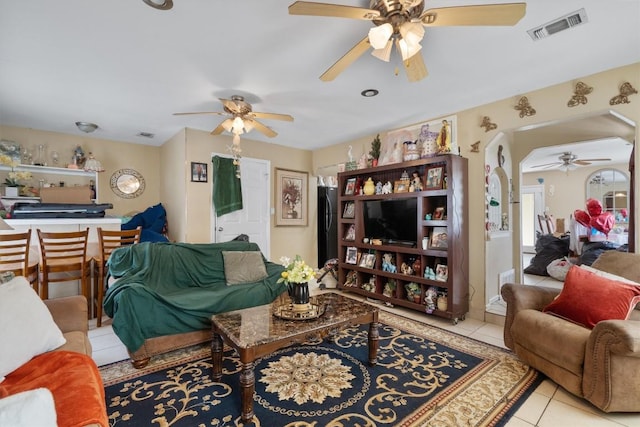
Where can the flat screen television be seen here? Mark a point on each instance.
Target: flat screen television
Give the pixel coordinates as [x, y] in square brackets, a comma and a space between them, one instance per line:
[394, 221]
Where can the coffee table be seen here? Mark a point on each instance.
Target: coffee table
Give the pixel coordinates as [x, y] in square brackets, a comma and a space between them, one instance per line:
[256, 332]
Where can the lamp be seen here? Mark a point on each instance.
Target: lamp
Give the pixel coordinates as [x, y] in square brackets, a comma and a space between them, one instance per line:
[412, 32]
[378, 36]
[159, 4]
[87, 127]
[238, 126]
[92, 164]
[407, 50]
[385, 53]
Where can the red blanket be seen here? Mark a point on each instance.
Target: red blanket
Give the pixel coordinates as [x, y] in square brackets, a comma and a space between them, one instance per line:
[74, 381]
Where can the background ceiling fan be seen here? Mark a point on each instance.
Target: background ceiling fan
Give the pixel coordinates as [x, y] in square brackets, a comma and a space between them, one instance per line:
[402, 22]
[241, 117]
[569, 161]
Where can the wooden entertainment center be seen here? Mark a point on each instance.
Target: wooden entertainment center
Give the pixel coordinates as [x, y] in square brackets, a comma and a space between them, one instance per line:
[391, 270]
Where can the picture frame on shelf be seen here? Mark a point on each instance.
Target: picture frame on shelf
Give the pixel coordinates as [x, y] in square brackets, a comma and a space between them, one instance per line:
[433, 179]
[438, 238]
[350, 235]
[350, 187]
[401, 186]
[198, 172]
[442, 273]
[439, 213]
[368, 260]
[352, 255]
[292, 197]
[349, 210]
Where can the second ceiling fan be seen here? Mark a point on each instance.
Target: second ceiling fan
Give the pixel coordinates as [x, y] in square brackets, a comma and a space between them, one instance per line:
[569, 161]
[402, 22]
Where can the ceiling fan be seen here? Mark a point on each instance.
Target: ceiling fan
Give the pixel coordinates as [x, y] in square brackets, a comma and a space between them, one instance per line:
[402, 22]
[569, 161]
[241, 118]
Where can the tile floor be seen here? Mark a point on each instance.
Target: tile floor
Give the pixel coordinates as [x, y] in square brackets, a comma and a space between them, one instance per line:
[548, 406]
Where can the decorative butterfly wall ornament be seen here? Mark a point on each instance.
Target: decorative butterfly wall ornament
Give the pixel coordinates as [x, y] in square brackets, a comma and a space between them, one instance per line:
[625, 91]
[487, 125]
[580, 94]
[525, 108]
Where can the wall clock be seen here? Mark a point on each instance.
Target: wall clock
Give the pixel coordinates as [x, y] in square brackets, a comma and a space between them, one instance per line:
[127, 183]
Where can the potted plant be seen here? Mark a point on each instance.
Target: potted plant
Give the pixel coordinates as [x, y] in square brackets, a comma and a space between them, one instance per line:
[12, 182]
[375, 150]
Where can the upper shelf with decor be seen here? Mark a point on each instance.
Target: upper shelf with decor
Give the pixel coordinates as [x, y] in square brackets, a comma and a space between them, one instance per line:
[49, 170]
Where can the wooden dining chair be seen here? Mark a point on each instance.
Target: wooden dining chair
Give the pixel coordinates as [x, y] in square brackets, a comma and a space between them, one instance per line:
[547, 225]
[63, 258]
[108, 241]
[14, 256]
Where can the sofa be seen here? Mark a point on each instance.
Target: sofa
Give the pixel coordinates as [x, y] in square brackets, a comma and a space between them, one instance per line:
[50, 377]
[161, 296]
[585, 337]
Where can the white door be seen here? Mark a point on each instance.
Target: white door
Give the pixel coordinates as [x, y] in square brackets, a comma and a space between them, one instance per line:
[532, 203]
[254, 218]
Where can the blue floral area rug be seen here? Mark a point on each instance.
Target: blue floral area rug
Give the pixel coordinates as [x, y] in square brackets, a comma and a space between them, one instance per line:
[425, 376]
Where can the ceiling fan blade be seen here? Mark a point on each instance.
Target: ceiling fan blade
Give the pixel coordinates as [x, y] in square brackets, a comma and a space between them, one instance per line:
[263, 129]
[332, 10]
[273, 116]
[546, 165]
[490, 14]
[595, 160]
[217, 113]
[348, 58]
[218, 130]
[581, 162]
[415, 68]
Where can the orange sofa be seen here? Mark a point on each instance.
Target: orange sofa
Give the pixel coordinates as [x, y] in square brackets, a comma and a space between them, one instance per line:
[68, 372]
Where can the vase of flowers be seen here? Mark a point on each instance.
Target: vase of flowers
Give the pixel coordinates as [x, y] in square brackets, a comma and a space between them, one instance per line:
[296, 276]
[13, 181]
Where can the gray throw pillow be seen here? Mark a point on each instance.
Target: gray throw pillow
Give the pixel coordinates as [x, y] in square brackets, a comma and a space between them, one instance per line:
[242, 267]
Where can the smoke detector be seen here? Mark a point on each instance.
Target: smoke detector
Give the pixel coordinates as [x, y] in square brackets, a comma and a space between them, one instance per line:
[565, 22]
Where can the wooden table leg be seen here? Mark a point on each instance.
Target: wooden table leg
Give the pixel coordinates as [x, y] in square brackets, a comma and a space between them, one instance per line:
[247, 388]
[373, 343]
[216, 357]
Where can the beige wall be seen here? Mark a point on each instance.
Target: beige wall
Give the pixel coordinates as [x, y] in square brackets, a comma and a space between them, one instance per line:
[566, 192]
[143, 158]
[550, 104]
[199, 146]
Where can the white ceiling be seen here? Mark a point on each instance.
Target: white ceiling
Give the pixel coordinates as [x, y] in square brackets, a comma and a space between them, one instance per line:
[128, 67]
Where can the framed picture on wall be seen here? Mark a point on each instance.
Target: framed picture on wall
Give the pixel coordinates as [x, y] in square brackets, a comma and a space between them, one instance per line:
[291, 197]
[198, 172]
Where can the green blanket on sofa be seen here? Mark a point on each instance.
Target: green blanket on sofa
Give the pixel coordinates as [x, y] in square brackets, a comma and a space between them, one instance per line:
[170, 288]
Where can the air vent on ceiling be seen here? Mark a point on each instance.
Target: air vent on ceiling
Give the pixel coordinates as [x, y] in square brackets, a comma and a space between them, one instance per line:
[563, 23]
[146, 134]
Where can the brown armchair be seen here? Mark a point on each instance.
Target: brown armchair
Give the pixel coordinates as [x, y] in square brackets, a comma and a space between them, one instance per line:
[601, 365]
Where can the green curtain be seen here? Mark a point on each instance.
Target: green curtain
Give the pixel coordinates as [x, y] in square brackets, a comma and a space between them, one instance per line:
[227, 191]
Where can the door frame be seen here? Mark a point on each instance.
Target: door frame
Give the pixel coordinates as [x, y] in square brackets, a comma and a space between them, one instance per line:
[538, 209]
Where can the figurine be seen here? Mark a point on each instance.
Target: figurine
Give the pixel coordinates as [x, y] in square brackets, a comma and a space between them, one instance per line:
[379, 187]
[406, 269]
[444, 138]
[416, 181]
[430, 299]
[429, 273]
[387, 263]
[387, 188]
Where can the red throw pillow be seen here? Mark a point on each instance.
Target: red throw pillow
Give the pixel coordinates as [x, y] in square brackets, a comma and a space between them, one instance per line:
[588, 298]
